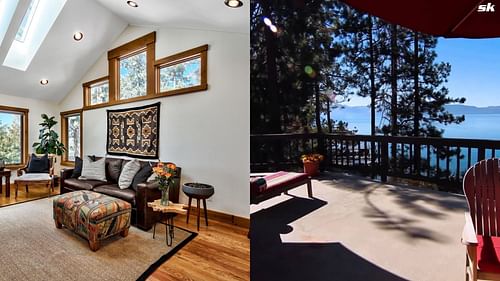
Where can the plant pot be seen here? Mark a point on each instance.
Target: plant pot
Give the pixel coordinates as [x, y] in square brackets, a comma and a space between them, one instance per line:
[311, 168]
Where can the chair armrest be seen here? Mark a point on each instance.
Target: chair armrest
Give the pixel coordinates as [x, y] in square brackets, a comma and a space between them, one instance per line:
[22, 170]
[469, 234]
[66, 173]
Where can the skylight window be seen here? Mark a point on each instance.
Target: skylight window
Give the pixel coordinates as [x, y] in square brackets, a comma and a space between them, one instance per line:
[37, 21]
[28, 18]
[7, 9]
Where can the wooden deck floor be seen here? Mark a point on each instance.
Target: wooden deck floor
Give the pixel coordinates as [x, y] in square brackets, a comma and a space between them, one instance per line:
[219, 252]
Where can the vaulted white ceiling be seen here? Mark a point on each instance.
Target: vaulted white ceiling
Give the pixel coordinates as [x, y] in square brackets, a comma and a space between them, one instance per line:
[64, 61]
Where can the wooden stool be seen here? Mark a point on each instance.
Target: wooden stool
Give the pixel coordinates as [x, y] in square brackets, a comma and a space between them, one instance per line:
[198, 191]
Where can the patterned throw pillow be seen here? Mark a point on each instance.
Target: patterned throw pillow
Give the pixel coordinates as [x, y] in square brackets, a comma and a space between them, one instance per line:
[128, 173]
[93, 170]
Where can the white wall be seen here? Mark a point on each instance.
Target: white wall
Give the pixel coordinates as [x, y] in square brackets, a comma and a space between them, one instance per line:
[206, 133]
[36, 108]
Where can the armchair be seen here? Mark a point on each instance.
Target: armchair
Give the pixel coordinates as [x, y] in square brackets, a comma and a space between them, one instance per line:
[37, 171]
[481, 233]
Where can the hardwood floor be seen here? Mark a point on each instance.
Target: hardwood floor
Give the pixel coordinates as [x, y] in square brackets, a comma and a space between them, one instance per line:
[34, 192]
[221, 251]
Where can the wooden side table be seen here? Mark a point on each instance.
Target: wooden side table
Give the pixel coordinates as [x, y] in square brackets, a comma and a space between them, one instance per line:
[5, 174]
[167, 214]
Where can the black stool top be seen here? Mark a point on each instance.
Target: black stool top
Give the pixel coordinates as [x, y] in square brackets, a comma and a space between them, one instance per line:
[198, 190]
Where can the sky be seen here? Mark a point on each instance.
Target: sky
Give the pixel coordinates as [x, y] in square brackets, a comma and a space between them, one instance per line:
[475, 70]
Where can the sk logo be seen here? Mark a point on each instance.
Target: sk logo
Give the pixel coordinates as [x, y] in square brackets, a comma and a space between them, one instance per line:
[487, 8]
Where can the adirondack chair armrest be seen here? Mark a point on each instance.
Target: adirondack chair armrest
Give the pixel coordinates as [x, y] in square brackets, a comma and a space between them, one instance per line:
[469, 233]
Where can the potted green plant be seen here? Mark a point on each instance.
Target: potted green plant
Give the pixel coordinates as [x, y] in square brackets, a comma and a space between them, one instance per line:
[311, 163]
[49, 139]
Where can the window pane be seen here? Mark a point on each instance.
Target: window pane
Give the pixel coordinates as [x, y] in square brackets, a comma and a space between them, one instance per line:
[10, 137]
[73, 137]
[99, 93]
[133, 76]
[183, 75]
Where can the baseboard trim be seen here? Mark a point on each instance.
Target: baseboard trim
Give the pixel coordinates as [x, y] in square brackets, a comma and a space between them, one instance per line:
[223, 217]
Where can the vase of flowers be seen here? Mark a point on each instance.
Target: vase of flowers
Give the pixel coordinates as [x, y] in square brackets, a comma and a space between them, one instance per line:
[311, 163]
[165, 173]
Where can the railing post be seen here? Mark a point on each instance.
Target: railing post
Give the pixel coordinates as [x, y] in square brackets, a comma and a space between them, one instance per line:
[373, 157]
[322, 149]
[385, 160]
[417, 158]
[480, 153]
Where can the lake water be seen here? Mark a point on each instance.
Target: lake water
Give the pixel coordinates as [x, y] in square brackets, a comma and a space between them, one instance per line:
[475, 126]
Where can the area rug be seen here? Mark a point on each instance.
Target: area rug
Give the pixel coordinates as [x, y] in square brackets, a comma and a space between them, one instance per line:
[32, 248]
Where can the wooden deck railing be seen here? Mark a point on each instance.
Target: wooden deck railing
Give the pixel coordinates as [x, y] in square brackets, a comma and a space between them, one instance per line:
[436, 160]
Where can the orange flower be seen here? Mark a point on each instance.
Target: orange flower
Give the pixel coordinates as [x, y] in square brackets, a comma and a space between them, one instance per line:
[160, 164]
[171, 166]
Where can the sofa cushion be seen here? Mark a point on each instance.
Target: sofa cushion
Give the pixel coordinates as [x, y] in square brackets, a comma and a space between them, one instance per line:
[113, 169]
[93, 170]
[77, 171]
[128, 173]
[142, 176]
[114, 191]
[76, 184]
[38, 164]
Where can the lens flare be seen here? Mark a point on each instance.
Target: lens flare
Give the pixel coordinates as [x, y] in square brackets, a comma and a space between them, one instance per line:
[267, 21]
[273, 28]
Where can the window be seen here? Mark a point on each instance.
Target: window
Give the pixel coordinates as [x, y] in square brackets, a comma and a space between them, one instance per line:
[13, 135]
[133, 76]
[131, 70]
[27, 19]
[71, 128]
[99, 93]
[182, 73]
[96, 92]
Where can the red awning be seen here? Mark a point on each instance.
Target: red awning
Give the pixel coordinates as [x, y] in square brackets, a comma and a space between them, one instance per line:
[448, 18]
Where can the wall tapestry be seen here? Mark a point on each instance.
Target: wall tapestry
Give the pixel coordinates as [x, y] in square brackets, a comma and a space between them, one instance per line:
[134, 131]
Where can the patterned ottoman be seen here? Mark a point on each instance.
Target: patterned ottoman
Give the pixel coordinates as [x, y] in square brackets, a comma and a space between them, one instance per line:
[92, 215]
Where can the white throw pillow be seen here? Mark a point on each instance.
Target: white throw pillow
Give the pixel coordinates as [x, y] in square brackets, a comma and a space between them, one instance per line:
[93, 170]
[128, 173]
[151, 178]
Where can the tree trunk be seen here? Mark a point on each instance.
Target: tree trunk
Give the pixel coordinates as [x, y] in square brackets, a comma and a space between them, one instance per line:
[394, 88]
[416, 113]
[372, 94]
[272, 78]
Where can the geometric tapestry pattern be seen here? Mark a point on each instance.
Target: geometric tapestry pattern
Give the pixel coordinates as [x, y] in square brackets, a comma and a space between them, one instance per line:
[134, 131]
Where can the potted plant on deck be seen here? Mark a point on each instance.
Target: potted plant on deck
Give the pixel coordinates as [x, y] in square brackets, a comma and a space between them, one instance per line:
[311, 163]
[49, 139]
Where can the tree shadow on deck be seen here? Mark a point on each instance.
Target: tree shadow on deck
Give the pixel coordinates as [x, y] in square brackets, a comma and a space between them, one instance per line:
[273, 260]
[417, 201]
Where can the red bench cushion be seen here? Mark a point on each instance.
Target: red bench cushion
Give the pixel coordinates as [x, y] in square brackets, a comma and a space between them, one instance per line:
[279, 180]
[488, 253]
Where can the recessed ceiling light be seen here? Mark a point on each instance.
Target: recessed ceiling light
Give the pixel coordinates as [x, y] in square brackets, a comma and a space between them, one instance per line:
[44, 81]
[78, 36]
[132, 4]
[233, 3]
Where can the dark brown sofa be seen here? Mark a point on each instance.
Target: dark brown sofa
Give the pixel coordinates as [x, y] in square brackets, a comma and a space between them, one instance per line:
[138, 196]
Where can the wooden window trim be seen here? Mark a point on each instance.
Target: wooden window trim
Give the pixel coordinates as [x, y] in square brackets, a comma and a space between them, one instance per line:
[87, 86]
[198, 52]
[145, 43]
[24, 133]
[64, 133]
